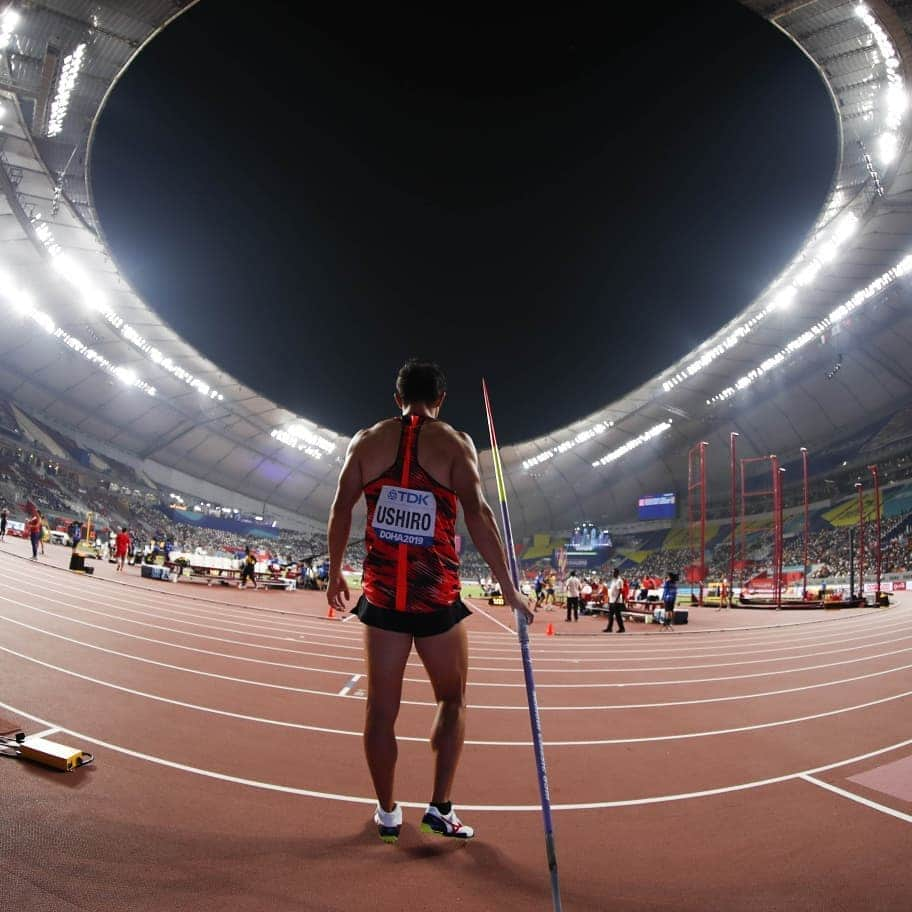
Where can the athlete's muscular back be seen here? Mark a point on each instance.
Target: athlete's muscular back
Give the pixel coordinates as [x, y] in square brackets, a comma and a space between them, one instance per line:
[445, 454]
[440, 449]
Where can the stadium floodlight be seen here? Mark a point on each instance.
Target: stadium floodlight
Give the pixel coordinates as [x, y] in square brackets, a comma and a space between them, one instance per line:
[887, 147]
[8, 22]
[784, 297]
[304, 434]
[295, 443]
[623, 450]
[22, 302]
[872, 289]
[125, 375]
[66, 82]
[600, 427]
[76, 276]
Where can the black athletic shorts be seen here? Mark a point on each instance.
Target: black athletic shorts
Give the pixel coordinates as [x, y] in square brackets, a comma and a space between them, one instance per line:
[418, 625]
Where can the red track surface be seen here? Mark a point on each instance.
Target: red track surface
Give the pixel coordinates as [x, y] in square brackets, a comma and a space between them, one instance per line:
[690, 770]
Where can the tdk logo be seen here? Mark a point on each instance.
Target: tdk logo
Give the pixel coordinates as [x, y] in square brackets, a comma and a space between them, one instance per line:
[408, 497]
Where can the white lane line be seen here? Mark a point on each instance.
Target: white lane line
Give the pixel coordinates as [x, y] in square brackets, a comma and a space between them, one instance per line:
[168, 643]
[539, 670]
[168, 665]
[490, 617]
[684, 736]
[474, 685]
[857, 798]
[45, 733]
[546, 657]
[350, 685]
[348, 617]
[355, 799]
[666, 653]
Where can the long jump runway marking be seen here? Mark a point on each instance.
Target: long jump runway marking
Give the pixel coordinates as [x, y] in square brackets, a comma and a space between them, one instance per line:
[355, 799]
[347, 689]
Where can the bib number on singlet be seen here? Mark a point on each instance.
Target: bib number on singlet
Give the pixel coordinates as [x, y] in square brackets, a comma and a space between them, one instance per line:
[405, 516]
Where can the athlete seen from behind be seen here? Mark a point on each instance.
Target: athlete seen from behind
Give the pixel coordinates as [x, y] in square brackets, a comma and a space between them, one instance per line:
[412, 471]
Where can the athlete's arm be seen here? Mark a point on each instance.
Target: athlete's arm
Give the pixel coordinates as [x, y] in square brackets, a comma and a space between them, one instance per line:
[348, 491]
[479, 518]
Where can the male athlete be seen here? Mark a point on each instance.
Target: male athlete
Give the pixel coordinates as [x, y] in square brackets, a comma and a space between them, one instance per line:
[412, 470]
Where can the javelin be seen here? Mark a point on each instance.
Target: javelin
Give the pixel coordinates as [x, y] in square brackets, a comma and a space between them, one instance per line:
[522, 632]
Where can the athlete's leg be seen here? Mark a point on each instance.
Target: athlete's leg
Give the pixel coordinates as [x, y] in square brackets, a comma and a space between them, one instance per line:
[387, 653]
[446, 658]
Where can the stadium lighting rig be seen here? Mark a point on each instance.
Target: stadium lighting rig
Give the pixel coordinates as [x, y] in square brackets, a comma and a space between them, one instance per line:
[9, 19]
[301, 438]
[872, 289]
[895, 100]
[94, 299]
[66, 82]
[637, 441]
[806, 267]
[588, 434]
[23, 304]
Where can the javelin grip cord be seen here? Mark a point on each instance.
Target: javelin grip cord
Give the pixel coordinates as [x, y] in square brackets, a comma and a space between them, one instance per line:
[522, 632]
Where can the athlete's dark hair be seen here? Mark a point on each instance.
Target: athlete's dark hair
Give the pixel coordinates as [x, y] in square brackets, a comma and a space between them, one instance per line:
[420, 381]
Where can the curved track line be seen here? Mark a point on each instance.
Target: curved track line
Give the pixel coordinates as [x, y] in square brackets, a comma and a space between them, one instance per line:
[317, 622]
[322, 730]
[354, 799]
[473, 685]
[477, 668]
[348, 675]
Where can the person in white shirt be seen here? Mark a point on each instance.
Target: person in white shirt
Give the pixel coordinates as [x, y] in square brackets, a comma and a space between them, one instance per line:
[573, 587]
[615, 602]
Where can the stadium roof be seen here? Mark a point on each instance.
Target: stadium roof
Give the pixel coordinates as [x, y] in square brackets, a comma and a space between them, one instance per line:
[822, 350]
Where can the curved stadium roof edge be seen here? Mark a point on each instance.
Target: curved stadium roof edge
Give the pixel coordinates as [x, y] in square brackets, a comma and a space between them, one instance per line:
[85, 352]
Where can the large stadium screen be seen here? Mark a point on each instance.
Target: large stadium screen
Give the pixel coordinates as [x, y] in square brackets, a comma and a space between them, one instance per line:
[587, 536]
[657, 506]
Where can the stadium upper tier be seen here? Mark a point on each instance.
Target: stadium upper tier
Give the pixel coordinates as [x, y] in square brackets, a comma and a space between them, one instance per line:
[823, 351]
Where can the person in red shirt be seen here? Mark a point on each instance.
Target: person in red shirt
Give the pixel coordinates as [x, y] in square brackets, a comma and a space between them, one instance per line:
[122, 542]
[33, 527]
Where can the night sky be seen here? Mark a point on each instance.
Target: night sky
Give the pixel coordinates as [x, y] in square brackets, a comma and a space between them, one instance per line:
[563, 204]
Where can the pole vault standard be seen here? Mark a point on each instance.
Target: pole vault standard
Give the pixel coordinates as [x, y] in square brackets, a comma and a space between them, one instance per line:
[696, 482]
[774, 491]
[861, 538]
[807, 524]
[877, 511]
[732, 444]
[777, 535]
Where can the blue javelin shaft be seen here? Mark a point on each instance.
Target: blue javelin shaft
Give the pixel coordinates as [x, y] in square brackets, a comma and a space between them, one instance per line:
[522, 631]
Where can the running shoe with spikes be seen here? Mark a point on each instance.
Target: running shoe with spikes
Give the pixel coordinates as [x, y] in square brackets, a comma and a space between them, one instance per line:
[389, 823]
[445, 824]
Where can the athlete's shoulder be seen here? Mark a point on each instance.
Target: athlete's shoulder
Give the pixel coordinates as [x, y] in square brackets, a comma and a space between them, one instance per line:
[447, 430]
[381, 428]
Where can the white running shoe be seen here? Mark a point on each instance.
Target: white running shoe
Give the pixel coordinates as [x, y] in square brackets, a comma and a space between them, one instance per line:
[389, 823]
[445, 824]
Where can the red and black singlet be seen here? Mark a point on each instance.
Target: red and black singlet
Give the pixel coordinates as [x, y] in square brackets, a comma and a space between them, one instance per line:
[411, 562]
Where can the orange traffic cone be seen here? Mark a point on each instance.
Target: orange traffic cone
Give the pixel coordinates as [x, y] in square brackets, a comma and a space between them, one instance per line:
[549, 630]
[331, 615]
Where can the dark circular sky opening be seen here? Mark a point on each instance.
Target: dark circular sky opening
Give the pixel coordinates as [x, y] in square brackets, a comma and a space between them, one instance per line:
[564, 205]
